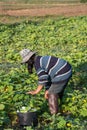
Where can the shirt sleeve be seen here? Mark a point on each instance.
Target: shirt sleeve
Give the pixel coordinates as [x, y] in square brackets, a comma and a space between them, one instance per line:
[42, 77]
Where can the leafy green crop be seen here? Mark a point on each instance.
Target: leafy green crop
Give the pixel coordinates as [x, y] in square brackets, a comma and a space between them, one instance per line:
[61, 37]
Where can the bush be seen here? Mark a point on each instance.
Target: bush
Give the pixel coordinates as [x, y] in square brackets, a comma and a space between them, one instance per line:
[83, 1]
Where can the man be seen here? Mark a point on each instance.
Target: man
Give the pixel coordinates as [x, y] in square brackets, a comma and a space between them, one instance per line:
[53, 74]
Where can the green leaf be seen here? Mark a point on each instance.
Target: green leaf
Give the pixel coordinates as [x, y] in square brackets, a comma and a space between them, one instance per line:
[2, 106]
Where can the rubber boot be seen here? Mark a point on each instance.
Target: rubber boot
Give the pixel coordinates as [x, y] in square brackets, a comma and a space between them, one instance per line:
[53, 103]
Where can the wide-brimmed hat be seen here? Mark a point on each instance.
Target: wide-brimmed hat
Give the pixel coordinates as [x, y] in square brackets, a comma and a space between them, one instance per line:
[26, 54]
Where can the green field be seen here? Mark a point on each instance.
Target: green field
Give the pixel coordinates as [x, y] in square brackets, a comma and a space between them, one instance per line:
[57, 36]
[64, 37]
[40, 1]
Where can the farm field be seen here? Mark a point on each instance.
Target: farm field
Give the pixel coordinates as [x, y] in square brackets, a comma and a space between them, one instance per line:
[64, 36]
[20, 10]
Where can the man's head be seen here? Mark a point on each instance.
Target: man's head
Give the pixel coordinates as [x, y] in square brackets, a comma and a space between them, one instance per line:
[28, 58]
[26, 54]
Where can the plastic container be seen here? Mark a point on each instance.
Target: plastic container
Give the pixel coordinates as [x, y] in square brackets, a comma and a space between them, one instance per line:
[28, 119]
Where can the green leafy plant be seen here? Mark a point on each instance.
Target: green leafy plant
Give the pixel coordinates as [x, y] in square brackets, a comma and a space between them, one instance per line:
[61, 37]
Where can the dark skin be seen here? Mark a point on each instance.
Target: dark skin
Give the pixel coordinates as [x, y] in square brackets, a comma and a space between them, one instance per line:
[30, 64]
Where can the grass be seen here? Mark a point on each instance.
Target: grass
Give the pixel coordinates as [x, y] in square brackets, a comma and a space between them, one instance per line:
[40, 1]
[18, 19]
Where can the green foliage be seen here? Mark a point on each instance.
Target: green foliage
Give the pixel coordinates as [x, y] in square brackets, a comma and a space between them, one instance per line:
[41, 1]
[83, 1]
[61, 37]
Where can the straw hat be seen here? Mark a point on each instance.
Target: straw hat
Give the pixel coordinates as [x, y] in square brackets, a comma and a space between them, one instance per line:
[26, 54]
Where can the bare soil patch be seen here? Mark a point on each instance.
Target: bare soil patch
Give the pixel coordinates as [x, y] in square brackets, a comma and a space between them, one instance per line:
[60, 9]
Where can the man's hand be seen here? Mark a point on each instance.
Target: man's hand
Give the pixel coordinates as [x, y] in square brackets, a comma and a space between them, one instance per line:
[32, 92]
[46, 94]
[35, 91]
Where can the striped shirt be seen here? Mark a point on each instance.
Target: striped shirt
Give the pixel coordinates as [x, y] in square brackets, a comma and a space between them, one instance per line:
[52, 69]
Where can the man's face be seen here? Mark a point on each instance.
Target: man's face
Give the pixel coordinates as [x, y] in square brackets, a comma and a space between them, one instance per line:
[30, 66]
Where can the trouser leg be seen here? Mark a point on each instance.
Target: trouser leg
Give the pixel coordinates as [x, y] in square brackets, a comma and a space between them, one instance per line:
[62, 91]
[61, 95]
[53, 103]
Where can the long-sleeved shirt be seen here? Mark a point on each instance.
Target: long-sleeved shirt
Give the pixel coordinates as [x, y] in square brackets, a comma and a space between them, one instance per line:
[53, 69]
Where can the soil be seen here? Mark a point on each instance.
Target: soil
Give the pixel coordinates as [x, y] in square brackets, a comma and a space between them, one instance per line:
[59, 9]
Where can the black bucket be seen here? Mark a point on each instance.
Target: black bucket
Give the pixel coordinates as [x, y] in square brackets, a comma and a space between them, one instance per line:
[28, 119]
